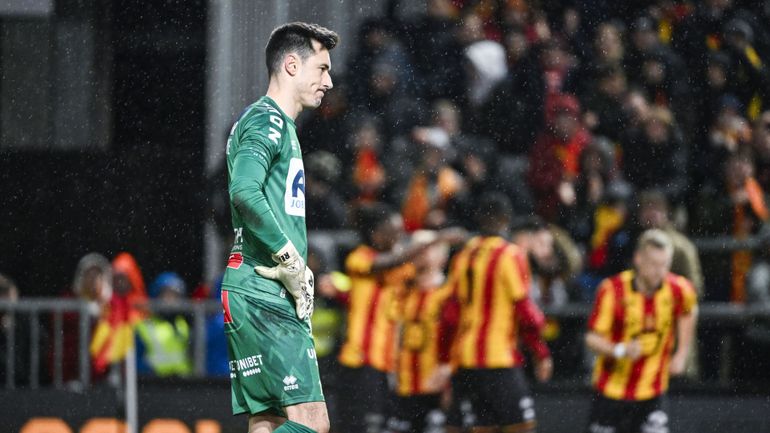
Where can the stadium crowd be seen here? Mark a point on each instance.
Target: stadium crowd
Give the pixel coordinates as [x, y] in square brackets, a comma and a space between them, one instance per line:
[597, 121]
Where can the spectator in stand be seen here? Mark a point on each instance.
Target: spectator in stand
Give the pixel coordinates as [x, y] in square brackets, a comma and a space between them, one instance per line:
[701, 33]
[665, 89]
[487, 67]
[604, 103]
[752, 75]
[598, 169]
[163, 339]
[92, 283]
[608, 50]
[514, 110]
[432, 187]
[729, 133]
[713, 93]
[760, 141]
[555, 262]
[656, 156]
[368, 174]
[436, 52]
[325, 206]
[434, 184]
[645, 40]
[477, 162]
[388, 100]
[608, 219]
[663, 69]
[738, 208]
[113, 335]
[15, 338]
[550, 263]
[558, 67]
[324, 126]
[554, 159]
[377, 44]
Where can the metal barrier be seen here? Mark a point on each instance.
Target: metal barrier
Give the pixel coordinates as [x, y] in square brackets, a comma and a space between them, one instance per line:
[42, 309]
[54, 310]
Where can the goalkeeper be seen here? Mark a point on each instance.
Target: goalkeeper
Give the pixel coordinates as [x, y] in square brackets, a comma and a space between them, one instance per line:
[267, 290]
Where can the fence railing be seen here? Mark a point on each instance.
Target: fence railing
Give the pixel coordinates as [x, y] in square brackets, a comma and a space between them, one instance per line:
[50, 312]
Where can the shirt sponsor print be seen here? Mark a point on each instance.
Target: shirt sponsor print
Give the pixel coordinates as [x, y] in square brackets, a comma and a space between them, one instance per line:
[247, 366]
[294, 197]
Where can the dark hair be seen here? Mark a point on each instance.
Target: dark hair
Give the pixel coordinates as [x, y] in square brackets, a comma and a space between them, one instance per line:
[369, 217]
[494, 208]
[296, 37]
[529, 224]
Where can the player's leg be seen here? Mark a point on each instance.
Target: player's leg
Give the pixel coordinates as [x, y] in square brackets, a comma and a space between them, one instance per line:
[363, 400]
[273, 366]
[264, 423]
[606, 416]
[462, 412]
[653, 416]
[309, 417]
[506, 401]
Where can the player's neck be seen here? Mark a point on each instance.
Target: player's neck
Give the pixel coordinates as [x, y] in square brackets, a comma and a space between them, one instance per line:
[643, 287]
[285, 99]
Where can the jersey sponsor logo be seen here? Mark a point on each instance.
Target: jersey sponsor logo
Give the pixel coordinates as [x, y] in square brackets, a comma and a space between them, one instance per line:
[290, 383]
[294, 196]
[247, 366]
[235, 261]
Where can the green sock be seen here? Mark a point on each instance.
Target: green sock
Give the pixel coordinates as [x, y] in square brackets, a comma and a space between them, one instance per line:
[293, 427]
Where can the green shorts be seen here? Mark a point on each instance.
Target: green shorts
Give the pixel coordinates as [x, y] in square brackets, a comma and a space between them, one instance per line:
[272, 356]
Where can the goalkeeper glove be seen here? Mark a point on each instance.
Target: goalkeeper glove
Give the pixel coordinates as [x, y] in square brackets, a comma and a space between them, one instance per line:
[295, 276]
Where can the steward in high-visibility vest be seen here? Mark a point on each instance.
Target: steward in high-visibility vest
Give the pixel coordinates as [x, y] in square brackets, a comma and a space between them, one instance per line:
[163, 342]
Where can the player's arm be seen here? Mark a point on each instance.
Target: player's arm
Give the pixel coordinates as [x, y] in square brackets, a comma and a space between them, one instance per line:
[531, 323]
[600, 324]
[387, 260]
[247, 181]
[530, 318]
[685, 328]
[685, 331]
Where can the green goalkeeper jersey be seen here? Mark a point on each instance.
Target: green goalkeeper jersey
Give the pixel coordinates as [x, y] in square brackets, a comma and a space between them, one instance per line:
[267, 194]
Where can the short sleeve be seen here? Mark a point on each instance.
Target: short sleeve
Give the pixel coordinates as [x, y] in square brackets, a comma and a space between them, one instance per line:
[689, 296]
[600, 320]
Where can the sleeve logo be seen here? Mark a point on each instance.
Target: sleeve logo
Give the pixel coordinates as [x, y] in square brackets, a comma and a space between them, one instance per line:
[294, 197]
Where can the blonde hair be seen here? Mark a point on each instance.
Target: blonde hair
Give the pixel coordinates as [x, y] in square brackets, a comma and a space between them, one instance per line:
[655, 238]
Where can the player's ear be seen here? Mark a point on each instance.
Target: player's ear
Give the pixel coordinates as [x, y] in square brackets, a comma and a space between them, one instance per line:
[291, 64]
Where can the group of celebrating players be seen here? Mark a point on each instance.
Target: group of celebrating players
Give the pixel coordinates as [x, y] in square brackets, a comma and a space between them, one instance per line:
[453, 343]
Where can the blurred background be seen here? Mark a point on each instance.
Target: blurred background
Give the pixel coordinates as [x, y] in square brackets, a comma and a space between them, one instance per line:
[598, 119]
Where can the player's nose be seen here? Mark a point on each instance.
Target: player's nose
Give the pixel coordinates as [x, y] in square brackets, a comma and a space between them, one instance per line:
[327, 82]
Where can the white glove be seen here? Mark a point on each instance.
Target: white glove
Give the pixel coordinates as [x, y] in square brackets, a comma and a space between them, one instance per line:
[292, 272]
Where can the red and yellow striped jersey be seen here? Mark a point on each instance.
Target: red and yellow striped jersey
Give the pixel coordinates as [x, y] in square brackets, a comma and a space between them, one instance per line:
[421, 339]
[488, 276]
[373, 311]
[622, 314]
